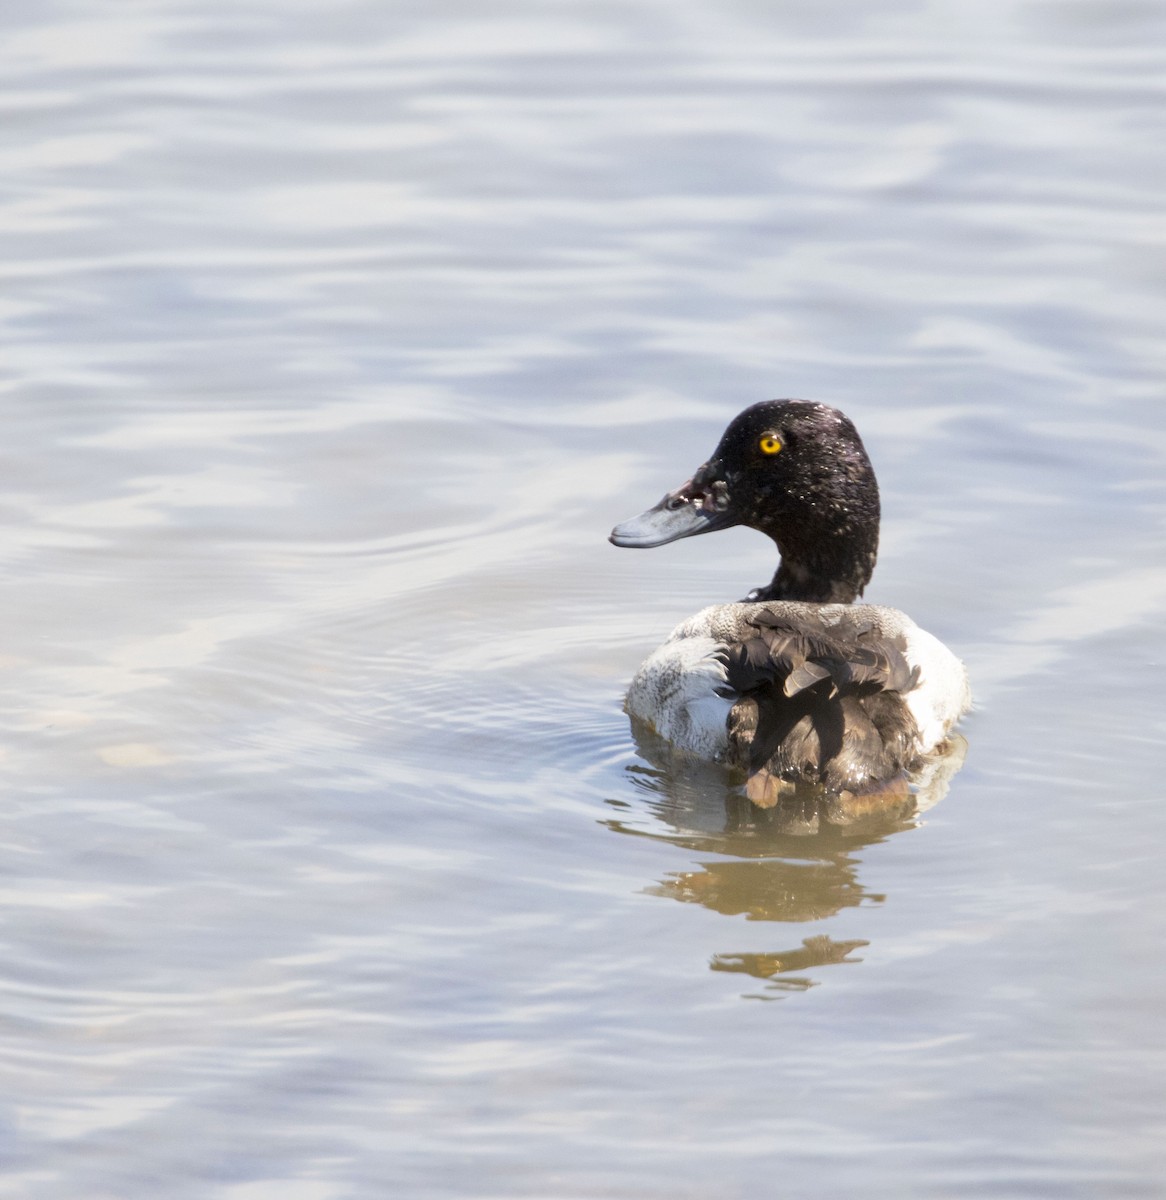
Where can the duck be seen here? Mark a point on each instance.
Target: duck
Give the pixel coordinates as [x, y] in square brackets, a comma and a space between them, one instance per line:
[797, 685]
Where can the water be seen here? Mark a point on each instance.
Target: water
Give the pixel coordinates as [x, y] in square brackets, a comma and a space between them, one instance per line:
[334, 342]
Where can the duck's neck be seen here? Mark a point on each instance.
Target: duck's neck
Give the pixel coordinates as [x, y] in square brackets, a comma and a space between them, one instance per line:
[822, 574]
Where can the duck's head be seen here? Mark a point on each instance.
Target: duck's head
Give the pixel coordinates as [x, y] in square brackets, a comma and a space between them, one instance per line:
[798, 472]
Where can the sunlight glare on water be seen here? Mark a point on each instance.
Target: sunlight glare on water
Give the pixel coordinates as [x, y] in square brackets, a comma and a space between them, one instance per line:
[334, 341]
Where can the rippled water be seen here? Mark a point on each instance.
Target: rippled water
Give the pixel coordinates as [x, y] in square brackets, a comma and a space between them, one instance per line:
[334, 340]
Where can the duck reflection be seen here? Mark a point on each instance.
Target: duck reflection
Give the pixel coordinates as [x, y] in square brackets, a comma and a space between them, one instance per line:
[813, 952]
[794, 861]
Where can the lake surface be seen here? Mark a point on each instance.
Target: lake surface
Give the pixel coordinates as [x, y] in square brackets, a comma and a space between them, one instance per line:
[333, 341]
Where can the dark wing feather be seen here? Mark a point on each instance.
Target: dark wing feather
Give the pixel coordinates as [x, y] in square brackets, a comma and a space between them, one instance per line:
[828, 700]
[804, 675]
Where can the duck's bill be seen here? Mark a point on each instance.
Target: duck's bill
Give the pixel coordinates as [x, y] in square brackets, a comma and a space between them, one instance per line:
[682, 513]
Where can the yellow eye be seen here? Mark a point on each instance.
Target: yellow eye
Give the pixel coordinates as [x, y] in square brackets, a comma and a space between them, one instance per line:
[770, 444]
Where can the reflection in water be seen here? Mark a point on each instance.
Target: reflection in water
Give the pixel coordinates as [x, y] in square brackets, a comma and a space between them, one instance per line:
[793, 862]
[770, 890]
[813, 952]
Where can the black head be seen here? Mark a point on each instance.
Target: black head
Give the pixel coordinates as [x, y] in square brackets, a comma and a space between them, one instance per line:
[794, 470]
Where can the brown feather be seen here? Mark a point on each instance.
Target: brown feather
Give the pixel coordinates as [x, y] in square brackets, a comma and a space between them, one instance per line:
[824, 705]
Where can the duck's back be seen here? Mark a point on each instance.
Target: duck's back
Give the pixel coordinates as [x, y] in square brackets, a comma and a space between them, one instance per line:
[841, 694]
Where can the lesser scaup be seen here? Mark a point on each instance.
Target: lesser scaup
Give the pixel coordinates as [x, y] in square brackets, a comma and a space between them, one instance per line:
[796, 684]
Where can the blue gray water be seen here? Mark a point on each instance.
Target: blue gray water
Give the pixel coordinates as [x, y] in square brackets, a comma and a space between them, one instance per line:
[333, 340]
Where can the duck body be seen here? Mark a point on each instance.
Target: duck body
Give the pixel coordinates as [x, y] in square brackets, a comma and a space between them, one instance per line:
[876, 693]
[796, 684]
